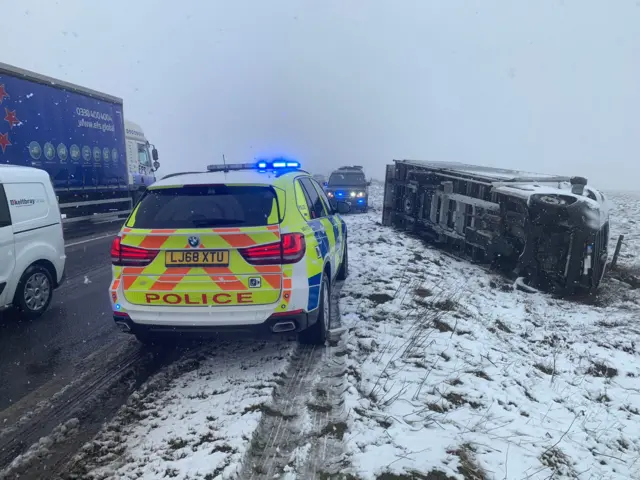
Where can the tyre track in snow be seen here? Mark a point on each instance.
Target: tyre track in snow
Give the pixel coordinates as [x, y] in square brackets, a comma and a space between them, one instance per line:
[325, 457]
[296, 433]
[281, 427]
[88, 401]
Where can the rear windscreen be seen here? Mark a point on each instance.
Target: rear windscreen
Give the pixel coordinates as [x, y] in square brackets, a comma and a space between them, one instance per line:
[347, 178]
[206, 207]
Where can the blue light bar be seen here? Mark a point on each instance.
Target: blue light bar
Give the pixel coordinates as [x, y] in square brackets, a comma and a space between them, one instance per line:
[293, 164]
[279, 164]
[262, 165]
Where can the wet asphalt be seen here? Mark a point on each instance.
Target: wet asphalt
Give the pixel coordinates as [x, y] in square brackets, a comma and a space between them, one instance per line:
[77, 324]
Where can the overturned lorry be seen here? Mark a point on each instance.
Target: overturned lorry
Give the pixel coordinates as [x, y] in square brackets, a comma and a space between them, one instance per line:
[549, 232]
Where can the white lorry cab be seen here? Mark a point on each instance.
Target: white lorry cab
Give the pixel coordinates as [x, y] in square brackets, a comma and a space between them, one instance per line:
[140, 163]
[32, 255]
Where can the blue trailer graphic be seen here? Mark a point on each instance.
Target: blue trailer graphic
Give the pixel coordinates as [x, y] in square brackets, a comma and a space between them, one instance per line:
[78, 139]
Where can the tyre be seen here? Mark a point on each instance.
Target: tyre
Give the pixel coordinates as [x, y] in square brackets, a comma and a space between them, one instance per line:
[316, 334]
[34, 292]
[344, 268]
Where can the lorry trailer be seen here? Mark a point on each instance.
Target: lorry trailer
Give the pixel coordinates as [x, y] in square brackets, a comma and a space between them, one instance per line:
[550, 232]
[99, 163]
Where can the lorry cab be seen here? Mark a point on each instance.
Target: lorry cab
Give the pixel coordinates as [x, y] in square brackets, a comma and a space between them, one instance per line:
[140, 163]
[32, 255]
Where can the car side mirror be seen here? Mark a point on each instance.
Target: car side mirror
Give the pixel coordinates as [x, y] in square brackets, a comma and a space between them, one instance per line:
[343, 207]
[154, 153]
[325, 184]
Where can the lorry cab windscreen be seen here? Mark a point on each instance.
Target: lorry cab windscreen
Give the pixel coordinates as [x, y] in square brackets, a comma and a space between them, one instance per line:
[347, 178]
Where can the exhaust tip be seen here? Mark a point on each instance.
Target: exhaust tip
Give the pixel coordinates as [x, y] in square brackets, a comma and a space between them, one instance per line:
[282, 327]
[124, 327]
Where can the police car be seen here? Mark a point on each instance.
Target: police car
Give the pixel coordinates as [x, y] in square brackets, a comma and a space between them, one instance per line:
[244, 247]
[349, 183]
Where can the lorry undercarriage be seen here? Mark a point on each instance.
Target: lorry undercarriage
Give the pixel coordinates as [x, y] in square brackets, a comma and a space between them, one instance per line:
[550, 231]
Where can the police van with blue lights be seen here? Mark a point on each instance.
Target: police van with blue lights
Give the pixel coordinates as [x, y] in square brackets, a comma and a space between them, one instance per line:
[253, 247]
[350, 184]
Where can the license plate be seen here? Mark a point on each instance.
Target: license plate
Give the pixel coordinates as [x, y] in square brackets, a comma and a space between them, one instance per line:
[196, 258]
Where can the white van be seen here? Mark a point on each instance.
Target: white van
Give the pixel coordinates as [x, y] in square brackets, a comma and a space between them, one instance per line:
[32, 256]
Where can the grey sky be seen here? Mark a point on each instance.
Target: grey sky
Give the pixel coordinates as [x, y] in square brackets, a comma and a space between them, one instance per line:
[549, 86]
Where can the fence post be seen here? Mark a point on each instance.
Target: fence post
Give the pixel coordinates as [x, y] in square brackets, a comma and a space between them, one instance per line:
[617, 252]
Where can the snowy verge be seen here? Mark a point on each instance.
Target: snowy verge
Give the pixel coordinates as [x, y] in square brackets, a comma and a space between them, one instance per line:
[195, 419]
[454, 373]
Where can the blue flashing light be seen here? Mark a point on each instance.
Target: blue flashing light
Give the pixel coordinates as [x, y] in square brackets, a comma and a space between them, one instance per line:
[339, 194]
[276, 164]
[118, 307]
[361, 201]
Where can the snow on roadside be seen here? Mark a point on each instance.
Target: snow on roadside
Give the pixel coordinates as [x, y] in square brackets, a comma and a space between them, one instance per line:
[625, 220]
[451, 370]
[195, 419]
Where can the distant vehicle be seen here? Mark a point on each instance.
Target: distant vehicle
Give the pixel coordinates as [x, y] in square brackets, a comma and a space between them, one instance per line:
[99, 163]
[32, 256]
[321, 179]
[552, 232]
[252, 248]
[350, 183]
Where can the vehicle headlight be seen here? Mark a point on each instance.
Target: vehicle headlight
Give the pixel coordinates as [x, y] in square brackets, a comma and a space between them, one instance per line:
[360, 194]
[330, 194]
[353, 194]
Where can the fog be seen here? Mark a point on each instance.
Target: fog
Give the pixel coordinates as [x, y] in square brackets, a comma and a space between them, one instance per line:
[543, 86]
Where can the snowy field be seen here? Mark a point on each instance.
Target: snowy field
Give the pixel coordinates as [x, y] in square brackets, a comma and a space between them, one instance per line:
[446, 372]
[453, 372]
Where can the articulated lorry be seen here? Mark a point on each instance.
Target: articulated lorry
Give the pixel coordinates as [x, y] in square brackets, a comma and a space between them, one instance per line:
[99, 163]
[552, 232]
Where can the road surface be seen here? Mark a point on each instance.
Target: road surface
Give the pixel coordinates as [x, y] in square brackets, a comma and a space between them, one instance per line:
[72, 364]
[77, 324]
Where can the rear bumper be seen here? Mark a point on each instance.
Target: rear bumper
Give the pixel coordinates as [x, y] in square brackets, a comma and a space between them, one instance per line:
[183, 326]
[244, 319]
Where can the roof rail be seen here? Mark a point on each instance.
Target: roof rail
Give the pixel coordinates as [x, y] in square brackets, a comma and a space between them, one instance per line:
[177, 174]
[227, 167]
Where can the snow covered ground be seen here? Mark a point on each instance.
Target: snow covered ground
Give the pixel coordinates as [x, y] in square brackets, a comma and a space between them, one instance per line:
[193, 420]
[445, 372]
[453, 372]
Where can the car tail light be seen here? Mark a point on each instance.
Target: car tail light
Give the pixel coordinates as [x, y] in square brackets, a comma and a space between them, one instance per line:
[127, 256]
[290, 249]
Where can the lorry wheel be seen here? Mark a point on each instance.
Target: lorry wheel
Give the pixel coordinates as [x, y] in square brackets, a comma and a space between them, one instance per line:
[317, 333]
[34, 292]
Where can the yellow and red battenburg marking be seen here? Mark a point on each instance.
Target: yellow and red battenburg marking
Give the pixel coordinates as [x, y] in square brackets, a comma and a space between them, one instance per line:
[157, 277]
